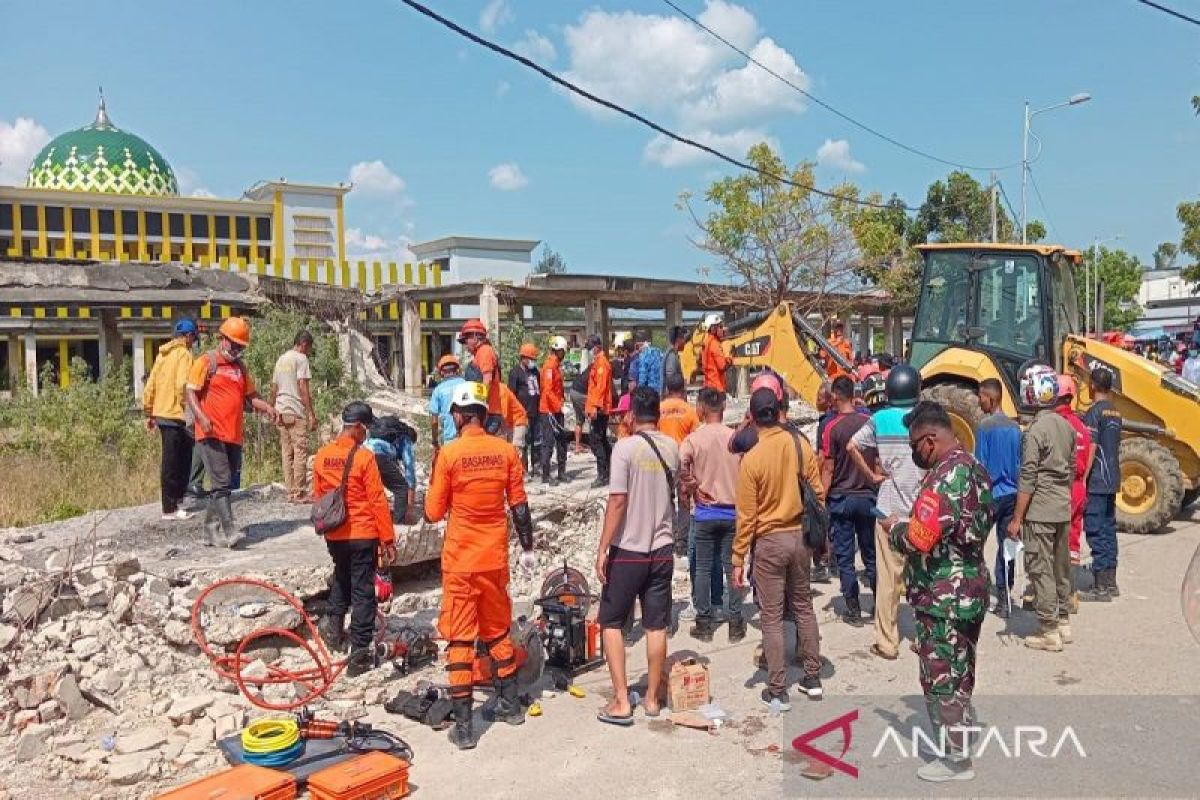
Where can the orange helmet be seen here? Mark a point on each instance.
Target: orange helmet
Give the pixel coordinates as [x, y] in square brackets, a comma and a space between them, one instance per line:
[472, 326]
[1066, 386]
[236, 330]
[449, 360]
[529, 350]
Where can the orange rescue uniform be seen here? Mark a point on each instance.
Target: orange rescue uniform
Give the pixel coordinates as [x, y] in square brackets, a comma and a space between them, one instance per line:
[511, 409]
[485, 360]
[599, 391]
[551, 401]
[842, 345]
[714, 362]
[367, 513]
[222, 397]
[677, 418]
[472, 478]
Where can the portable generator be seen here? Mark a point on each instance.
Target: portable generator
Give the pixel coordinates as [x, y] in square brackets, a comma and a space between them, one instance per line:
[570, 639]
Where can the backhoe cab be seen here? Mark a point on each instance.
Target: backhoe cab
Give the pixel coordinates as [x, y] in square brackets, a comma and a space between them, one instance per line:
[986, 309]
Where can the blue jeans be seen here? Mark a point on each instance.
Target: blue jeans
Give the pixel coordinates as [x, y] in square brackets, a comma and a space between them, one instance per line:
[1002, 512]
[853, 524]
[714, 558]
[716, 577]
[1100, 523]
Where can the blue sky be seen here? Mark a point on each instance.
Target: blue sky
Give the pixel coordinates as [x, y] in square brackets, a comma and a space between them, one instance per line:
[445, 138]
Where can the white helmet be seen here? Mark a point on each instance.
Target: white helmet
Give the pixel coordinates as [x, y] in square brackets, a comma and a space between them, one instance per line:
[468, 394]
[558, 343]
[713, 319]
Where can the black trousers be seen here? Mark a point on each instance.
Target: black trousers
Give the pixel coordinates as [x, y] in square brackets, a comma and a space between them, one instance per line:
[354, 587]
[550, 427]
[601, 447]
[176, 465]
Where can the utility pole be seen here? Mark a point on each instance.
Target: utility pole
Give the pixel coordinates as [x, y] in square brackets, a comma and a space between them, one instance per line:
[995, 226]
[1024, 173]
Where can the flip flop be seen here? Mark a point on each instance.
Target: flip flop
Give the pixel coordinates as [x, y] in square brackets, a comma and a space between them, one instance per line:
[620, 720]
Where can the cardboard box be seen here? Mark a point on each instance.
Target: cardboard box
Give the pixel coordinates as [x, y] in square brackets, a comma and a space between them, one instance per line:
[687, 685]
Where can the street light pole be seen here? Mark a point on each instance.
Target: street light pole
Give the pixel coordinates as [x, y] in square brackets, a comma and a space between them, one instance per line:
[1074, 100]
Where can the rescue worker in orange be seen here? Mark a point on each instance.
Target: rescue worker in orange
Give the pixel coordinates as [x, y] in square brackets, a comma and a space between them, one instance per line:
[714, 361]
[514, 422]
[839, 342]
[550, 407]
[484, 368]
[366, 539]
[597, 407]
[218, 387]
[472, 478]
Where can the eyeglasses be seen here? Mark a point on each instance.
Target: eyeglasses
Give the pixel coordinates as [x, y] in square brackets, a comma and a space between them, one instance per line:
[913, 444]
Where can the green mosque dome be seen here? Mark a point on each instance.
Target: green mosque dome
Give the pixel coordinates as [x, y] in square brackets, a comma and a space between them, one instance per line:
[102, 158]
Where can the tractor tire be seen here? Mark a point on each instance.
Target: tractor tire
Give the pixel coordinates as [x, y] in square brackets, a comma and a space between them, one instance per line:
[962, 404]
[1189, 497]
[1151, 490]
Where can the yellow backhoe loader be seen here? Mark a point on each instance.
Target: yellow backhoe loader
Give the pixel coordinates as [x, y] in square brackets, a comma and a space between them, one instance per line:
[984, 310]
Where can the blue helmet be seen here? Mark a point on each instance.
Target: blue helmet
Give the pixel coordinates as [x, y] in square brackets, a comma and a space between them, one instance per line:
[185, 327]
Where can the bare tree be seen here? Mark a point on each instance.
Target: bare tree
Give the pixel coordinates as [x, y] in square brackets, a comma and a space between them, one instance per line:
[776, 241]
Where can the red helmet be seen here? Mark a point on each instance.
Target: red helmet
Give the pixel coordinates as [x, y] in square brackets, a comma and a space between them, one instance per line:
[236, 330]
[472, 326]
[529, 350]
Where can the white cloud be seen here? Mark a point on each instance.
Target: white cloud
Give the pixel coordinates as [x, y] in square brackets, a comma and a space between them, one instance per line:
[19, 143]
[374, 177]
[502, 88]
[200, 191]
[835, 154]
[507, 177]
[190, 183]
[495, 14]
[536, 47]
[363, 246]
[667, 67]
[670, 153]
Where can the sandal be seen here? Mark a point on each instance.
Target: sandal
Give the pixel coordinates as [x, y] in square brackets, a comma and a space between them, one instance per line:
[620, 720]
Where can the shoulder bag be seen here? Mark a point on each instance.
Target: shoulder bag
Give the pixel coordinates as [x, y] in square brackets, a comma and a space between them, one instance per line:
[329, 512]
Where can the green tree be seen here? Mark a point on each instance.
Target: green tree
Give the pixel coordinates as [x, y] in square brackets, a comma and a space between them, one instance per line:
[1165, 255]
[1189, 217]
[1121, 274]
[775, 238]
[888, 259]
[959, 209]
[550, 262]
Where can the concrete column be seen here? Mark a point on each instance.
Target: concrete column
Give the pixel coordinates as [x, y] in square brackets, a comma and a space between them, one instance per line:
[674, 314]
[14, 361]
[864, 334]
[742, 384]
[489, 308]
[410, 333]
[31, 369]
[896, 335]
[139, 364]
[593, 310]
[110, 340]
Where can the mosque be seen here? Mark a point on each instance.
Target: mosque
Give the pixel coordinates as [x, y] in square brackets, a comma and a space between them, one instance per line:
[100, 254]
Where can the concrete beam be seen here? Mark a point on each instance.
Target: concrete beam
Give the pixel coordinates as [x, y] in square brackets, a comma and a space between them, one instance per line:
[139, 364]
[410, 333]
[31, 367]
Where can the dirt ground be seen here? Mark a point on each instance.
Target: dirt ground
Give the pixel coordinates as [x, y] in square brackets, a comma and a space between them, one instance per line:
[1139, 645]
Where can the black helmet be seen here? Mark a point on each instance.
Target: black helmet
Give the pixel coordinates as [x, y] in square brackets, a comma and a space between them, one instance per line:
[903, 385]
[873, 392]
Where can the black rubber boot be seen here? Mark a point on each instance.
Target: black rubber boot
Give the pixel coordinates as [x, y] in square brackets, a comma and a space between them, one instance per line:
[703, 629]
[1110, 582]
[853, 615]
[1098, 593]
[737, 628]
[332, 632]
[562, 473]
[462, 735]
[508, 704]
[361, 660]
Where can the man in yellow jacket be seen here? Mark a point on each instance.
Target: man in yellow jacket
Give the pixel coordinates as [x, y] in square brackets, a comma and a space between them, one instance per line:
[164, 405]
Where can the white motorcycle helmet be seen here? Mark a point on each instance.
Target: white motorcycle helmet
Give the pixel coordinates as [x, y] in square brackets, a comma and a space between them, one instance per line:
[470, 394]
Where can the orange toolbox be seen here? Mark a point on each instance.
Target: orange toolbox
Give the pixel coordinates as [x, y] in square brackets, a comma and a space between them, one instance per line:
[245, 782]
[374, 776]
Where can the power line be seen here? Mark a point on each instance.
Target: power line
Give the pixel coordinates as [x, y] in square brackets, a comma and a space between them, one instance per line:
[1008, 203]
[1042, 201]
[827, 106]
[1171, 11]
[654, 126]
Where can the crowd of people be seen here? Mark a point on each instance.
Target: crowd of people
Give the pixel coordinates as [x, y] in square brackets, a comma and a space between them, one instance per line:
[885, 484]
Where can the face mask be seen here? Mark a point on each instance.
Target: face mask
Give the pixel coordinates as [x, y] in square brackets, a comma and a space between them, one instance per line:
[919, 457]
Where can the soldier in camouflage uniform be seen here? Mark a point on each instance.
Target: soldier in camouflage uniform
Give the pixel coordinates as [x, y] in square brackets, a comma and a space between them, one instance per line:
[946, 576]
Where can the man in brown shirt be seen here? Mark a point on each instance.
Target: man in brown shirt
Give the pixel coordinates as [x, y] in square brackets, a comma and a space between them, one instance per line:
[708, 474]
[1042, 516]
[770, 511]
